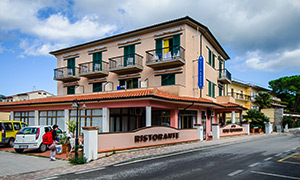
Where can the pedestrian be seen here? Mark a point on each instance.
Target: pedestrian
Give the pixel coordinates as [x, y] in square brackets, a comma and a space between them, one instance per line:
[52, 146]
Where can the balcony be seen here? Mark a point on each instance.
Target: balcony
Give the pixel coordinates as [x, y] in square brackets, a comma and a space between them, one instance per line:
[157, 60]
[93, 69]
[127, 64]
[66, 74]
[224, 76]
[239, 96]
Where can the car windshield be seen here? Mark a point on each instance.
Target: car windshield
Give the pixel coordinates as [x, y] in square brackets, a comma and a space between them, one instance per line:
[28, 130]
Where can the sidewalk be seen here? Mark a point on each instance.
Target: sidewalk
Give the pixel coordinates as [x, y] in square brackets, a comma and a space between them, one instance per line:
[107, 159]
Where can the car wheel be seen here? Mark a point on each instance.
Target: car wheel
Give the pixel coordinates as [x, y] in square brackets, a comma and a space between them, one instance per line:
[42, 148]
[11, 142]
[19, 150]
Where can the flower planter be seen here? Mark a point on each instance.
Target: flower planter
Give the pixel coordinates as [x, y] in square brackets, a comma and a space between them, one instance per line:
[252, 130]
[259, 130]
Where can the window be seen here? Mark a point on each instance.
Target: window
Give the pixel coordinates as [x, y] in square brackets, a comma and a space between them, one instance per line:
[17, 126]
[167, 79]
[187, 119]
[161, 117]
[129, 55]
[220, 91]
[209, 56]
[220, 68]
[129, 83]
[26, 116]
[87, 117]
[168, 46]
[97, 87]
[8, 126]
[52, 117]
[71, 67]
[211, 89]
[71, 90]
[97, 61]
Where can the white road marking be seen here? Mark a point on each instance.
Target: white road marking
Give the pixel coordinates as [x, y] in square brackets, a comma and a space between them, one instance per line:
[235, 172]
[294, 148]
[279, 154]
[275, 175]
[255, 164]
[90, 170]
[269, 158]
[54, 177]
[286, 151]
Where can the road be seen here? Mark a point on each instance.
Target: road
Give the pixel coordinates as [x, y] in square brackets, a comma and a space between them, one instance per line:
[270, 158]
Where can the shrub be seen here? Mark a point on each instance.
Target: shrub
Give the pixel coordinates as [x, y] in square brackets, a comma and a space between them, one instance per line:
[80, 160]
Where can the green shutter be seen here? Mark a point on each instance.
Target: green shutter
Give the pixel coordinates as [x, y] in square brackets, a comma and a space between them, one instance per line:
[71, 90]
[158, 47]
[220, 91]
[122, 83]
[97, 61]
[213, 60]
[209, 88]
[209, 56]
[97, 87]
[135, 83]
[176, 43]
[71, 66]
[171, 79]
[129, 51]
[213, 90]
[220, 68]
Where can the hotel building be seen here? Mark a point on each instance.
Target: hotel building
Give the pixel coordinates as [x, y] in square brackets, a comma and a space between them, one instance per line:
[141, 78]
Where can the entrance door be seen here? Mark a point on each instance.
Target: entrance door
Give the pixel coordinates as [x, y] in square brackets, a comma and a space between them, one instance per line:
[203, 121]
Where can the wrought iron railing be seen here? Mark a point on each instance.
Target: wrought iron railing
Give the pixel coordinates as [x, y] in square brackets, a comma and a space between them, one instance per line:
[125, 61]
[65, 72]
[93, 66]
[240, 96]
[164, 54]
[224, 73]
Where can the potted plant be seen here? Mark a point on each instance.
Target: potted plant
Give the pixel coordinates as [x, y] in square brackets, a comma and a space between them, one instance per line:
[252, 128]
[64, 141]
[72, 127]
[259, 128]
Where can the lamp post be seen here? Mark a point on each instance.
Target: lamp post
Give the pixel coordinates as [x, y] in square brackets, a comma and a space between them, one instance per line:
[76, 106]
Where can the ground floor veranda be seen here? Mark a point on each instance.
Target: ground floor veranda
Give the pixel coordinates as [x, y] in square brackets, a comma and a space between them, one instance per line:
[127, 115]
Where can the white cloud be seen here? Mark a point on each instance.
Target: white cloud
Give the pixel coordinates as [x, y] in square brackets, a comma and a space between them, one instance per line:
[37, 48]
[274, 62]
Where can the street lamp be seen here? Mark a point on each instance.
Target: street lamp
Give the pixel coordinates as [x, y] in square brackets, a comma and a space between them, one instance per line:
[76, 106]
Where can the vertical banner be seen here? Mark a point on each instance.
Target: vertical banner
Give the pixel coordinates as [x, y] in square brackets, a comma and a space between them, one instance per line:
[201, 72]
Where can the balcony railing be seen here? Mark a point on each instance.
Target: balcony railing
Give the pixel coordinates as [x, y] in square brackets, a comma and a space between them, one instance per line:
[224, 76]
[126, 64]
[240, 96]
[93, 69]
[169, 57]
[66, 74]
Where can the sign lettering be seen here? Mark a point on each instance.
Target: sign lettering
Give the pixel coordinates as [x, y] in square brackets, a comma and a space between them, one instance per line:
[154, 137]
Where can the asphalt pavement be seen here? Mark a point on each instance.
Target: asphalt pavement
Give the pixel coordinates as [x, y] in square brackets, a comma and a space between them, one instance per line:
[276, 157]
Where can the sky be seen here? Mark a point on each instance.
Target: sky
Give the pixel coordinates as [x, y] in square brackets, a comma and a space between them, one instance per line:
[262, 38]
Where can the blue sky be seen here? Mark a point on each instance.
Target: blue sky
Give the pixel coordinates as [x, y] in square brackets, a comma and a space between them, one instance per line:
[261, 37]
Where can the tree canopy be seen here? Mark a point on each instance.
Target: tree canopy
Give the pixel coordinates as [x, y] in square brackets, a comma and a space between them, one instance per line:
[288, 89]
[256, 118]
[263, 100]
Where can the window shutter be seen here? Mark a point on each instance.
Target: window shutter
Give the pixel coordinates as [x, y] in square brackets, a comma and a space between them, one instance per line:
[213, 90]
[158, 47]
[97, 61]
[209, 88]
[213, 60]
[209, 56]
[97, 87]
[176, 43]
[71, 65]
[172, 79]
[135, 83]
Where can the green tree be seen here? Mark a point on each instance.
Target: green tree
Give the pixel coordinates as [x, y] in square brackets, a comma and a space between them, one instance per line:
[263, 100]
[288, 89]
[256, 118]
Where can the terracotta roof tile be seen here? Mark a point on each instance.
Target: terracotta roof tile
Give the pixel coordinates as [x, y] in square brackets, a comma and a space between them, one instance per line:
[116, 95]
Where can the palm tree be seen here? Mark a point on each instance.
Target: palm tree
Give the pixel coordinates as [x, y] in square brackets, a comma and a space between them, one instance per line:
[263, 100]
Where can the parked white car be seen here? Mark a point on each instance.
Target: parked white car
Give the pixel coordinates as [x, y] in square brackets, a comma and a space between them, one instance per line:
[31, 137]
